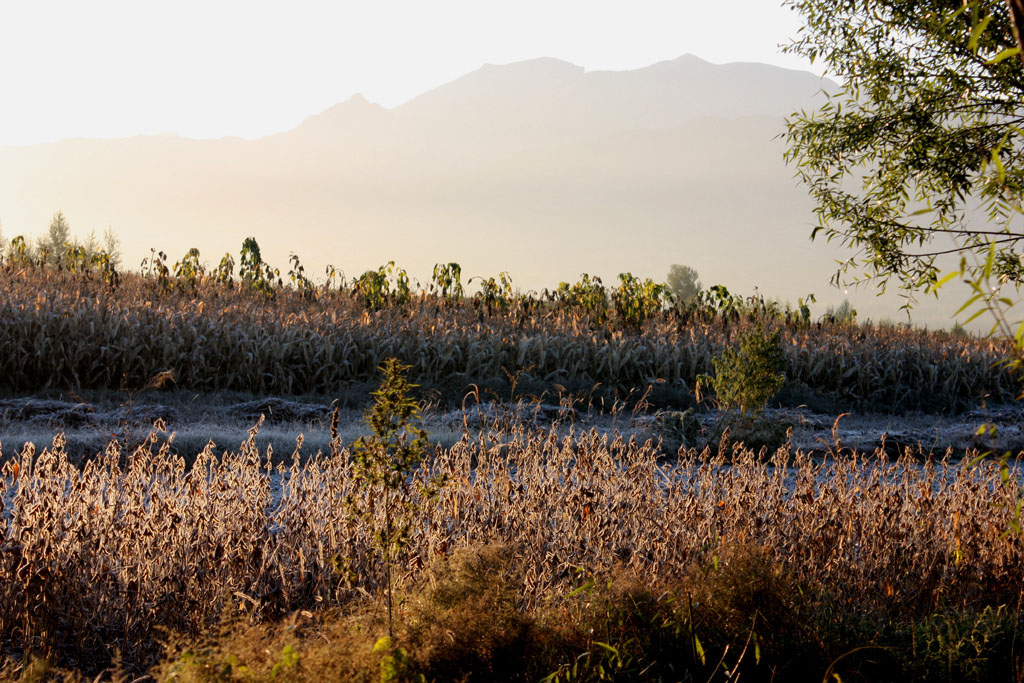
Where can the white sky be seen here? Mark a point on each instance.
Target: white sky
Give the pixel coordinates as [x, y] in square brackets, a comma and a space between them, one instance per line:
[207, 68]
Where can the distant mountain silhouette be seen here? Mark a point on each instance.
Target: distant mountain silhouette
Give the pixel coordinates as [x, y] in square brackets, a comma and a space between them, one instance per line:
[539, 168]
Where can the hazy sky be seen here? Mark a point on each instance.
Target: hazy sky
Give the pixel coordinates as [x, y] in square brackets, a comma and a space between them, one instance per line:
[207, 68]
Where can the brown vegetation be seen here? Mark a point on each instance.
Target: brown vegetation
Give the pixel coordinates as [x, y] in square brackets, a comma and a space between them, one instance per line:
[67, 331]
[97, 563]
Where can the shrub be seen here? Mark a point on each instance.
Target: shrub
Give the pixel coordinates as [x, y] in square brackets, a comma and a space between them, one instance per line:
[495, 294]
[447, 281]
[189, 271]
[749, 377]
[469, 625]
[376, 289]
[257, 275]
[636, 300]
[587, 297]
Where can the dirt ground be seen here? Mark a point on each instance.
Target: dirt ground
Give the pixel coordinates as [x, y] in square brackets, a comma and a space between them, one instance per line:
[91, 422]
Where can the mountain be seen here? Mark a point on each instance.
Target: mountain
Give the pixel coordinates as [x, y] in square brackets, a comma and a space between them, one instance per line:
[538, 168]
[355, 117]
[553, 99]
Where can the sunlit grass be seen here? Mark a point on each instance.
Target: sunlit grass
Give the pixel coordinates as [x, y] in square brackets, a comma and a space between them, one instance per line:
[105, 558]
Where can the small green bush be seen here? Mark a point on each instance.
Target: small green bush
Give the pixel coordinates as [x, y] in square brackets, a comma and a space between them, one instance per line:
[587, 297]
[636, 300]
[447, 281]
[748, 377]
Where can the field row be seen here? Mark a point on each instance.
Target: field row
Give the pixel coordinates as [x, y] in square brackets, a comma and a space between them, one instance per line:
[57, 331]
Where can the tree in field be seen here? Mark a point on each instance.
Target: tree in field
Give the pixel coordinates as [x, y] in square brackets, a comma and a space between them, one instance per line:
[386, 463]
[109, 247]
[112, 246]
[58, 236]
[919, 154]
[683, 282]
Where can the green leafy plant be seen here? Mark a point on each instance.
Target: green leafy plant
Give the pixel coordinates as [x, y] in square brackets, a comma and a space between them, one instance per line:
[224, 275]
[106, 264]
[395, 664]
[748, 377]
[588, 297]
[922, 132]
[19, 253]
[636, 300]
[286, 661]
[386, 461]
[189, 271]
[495, 294]
[75, 258]
[371, 288]
[401, 293]
[155, 266]
[447, 281]
[718, 300]
[257, 275]
[375, 289]
[335, 278]
[804, 306]
[297, 275]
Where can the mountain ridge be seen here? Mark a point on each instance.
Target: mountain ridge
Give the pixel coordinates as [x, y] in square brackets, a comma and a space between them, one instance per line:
[539, 168]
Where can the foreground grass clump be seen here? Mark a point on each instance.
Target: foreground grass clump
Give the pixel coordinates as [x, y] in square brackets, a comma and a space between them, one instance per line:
[97, 562]
[743, 619]
[61, 331]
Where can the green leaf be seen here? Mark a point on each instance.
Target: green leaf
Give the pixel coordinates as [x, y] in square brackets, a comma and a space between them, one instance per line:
[998, 163]
[585, 586]
[1005, 54]
[976, 315]
[945, 280]
[1019, 337]
[989, 263]
[979, 28]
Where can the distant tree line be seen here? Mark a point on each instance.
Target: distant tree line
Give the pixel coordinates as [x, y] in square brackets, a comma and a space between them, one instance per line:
[58, 248]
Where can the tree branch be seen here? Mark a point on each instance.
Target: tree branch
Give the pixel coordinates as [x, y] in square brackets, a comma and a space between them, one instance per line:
[1002, 233]
[1017, 20]
[957, 250]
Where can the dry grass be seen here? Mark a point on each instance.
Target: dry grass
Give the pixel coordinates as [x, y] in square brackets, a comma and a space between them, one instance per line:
[96, 562]
[743, 620]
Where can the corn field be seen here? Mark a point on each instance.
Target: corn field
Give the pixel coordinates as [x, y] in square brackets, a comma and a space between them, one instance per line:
[61, 330]
[106, 555]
